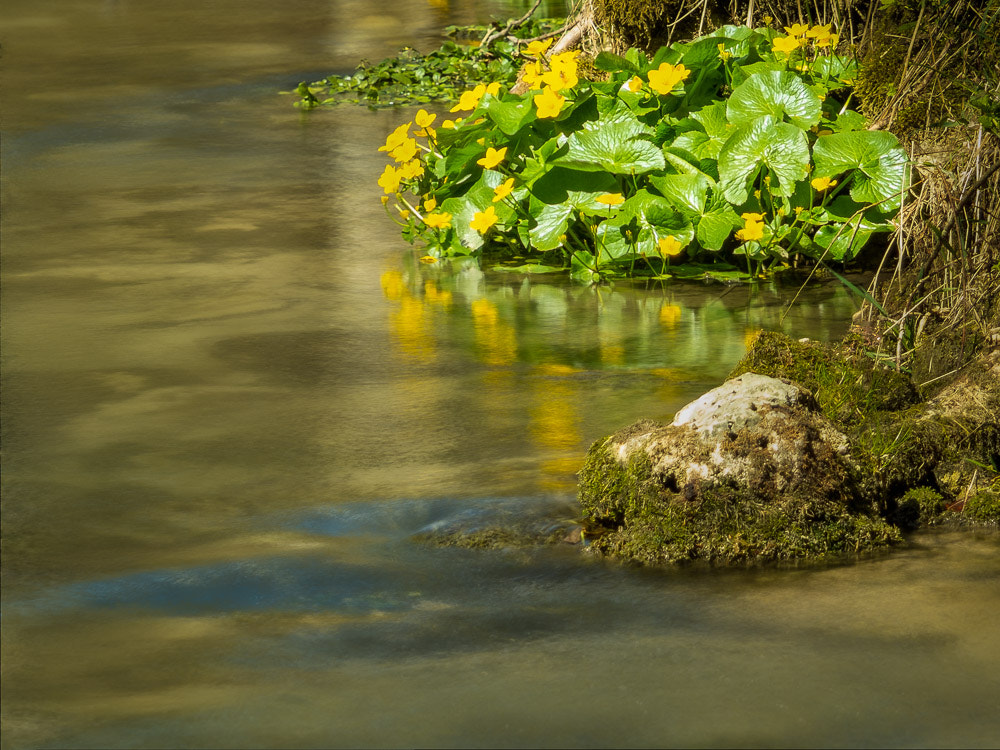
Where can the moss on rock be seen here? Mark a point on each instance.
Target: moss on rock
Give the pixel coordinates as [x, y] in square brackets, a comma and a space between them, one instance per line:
[778, 488]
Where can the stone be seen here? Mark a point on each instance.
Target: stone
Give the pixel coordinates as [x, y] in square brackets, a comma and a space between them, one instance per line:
[750, 471]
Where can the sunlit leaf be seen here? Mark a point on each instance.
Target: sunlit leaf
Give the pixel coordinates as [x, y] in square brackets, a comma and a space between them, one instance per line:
[764, 142]
[779, 94]
[874, 158]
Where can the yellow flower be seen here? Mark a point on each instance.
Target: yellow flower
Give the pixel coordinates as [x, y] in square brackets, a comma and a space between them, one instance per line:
[532, 75]
[818, 32]
[430, 204]
[796, 29]
[405, 151]
[753, 230]
[753, 217]
[503, 190]
[610, 199]
[389, 181]
[385, 199]
[830, 41]
[798, 210]
[549, 103]
[723, 55]
[665, 78]
[403, 212]
[424, 119]
[493, 157]
[767, 20]
[635, 84]
[469, 100]
[396, 138]
[440, 220]
[669, 246]
[822, 183]
[483, 220]
[786, 44]
[536, 48]
[562, 74]
[411, 169]
[493, 89]
[451, 124]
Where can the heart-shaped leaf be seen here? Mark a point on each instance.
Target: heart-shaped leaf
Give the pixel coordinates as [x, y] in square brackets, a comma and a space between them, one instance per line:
[764, 142]
[615, 148]
[875, 160]
[779, 94]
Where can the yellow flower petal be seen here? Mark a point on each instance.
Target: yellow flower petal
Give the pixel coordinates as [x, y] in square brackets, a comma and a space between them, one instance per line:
[820, 184]
[424, 119]
[440, 220]
[536, 48]
[786, 44]
[610, 199]
[549, 103]
[664, 79]
[796, 29]
[669, 246]
[502, 190]
[493, 157]
[483, 220]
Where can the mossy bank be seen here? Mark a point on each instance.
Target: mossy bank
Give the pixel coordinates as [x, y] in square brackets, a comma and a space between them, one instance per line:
[907, 463]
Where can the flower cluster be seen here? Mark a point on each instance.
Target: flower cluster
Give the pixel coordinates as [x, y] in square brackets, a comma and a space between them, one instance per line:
[405, 151]
[799, 35]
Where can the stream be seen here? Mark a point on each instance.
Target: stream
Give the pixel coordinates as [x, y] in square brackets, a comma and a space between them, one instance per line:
[232, 396]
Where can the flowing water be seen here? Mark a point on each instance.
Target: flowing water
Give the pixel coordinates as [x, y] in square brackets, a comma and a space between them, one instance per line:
[232, 397]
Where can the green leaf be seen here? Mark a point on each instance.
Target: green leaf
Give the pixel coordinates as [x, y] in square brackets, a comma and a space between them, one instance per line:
[714, 120]
[844, 241]
[530, 268]
[612, 63]
[551, 222]
[779, 94]
[614, 148]
[573, 186]
[510, 116]
[715, 227]
[850, 120]
[685, 191]
[764, 142]
[878, 165]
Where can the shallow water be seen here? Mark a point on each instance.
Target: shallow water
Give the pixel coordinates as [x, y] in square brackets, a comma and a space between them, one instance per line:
[232, 396]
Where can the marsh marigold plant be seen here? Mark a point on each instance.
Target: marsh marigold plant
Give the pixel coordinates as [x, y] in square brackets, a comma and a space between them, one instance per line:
[739, 145]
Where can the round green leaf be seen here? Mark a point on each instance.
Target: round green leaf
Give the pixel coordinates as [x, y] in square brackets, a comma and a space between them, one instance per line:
[614, 148]
[777, 93]
[764, 142]
[874, 158]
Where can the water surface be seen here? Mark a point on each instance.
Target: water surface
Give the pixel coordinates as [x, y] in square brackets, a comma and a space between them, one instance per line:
[232, 396]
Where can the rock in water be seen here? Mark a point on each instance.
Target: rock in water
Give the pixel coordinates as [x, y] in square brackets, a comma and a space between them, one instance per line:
[751, 471]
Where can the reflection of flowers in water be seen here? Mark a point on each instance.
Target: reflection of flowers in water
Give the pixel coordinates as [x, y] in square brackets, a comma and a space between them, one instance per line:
[670, 316]
[495, 339]
[411, 323]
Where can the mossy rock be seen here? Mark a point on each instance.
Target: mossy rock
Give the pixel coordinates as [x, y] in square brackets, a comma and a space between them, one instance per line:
[847, 384]
[781, 488]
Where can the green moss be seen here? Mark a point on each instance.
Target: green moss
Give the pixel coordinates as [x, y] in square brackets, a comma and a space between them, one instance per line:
[846, 383]
[637, 23]
[921, 506]
[630, 515]
[983, 507]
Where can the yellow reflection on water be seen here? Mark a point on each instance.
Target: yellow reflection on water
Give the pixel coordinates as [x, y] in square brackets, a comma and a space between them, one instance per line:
[496, 341]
